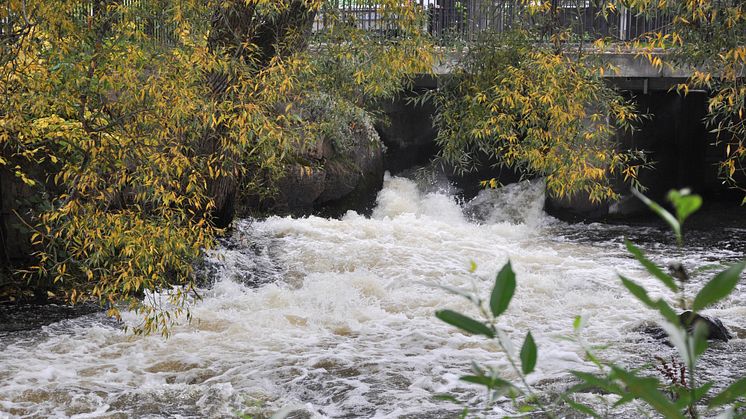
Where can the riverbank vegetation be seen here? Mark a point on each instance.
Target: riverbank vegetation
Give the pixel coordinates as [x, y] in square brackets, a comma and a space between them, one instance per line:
[132, 126]
[129, 129]
[539, 111]
[530, 93]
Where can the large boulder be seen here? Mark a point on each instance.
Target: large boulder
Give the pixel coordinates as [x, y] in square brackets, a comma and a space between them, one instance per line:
[340, 167]
[715, 328]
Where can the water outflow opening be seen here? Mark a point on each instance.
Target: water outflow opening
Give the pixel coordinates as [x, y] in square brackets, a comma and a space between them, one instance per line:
[336, 316]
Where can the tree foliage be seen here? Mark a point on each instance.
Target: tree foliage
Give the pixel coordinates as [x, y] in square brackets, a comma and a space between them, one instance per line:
[541, 56]
[709, 37]
[359, 62]
[536, 108]
[137, 121]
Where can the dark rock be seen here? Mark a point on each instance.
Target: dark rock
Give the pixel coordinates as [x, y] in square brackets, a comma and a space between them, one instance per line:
[715, 328]
[340, 168]
[342, 178]
[18, 317]
[576, 208]
[300, 186]
[654, 331]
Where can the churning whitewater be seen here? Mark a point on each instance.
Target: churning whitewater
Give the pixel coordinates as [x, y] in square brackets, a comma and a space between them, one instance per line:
[335, 317]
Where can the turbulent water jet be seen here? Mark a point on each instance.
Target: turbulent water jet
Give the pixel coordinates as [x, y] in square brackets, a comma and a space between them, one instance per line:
[336, 315]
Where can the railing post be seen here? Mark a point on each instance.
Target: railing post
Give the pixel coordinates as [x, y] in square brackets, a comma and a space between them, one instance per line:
[624, 23]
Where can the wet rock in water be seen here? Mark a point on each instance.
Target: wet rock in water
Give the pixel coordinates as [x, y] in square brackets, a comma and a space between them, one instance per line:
[653, 330]
[19, 317]
[715, 328]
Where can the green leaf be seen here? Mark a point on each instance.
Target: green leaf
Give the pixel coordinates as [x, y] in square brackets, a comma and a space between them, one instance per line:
[666, 311]
[528, 354]
[646, 389]
[686, 397]
[489, 382]
[526, 408]
[464, 323]
[503, 290]
[472, 266]
[638, 291]
[579, 407]
[665, 215]
[719, 287]
[679, 338]
[732, 393]
[577, 324]
[651, 267]
[641, 294]
[685, 203]
[624, 400]
[699, 337]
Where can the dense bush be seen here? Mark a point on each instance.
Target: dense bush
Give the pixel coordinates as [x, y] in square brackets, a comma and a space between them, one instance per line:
[538, 111]
[137, 123]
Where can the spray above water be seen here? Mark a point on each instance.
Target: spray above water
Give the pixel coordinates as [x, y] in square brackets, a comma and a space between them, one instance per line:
[517, 203]
[335, 316]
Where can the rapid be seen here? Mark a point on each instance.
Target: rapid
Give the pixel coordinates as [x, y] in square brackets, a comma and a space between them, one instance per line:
[334, 317]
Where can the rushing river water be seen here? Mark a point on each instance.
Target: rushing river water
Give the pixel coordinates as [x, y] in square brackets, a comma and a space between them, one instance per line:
[335, 317]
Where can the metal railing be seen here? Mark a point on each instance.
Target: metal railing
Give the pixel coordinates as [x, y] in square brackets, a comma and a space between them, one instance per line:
[465, 19]
[155, 24]
[446, 20]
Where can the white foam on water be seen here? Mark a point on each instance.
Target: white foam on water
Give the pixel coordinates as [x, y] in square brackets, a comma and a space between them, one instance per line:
[346, 325]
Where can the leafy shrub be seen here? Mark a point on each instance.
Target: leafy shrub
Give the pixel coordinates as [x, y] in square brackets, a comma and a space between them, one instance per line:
[538, 111]
[337, 120]
[136, 143]
[678, 399]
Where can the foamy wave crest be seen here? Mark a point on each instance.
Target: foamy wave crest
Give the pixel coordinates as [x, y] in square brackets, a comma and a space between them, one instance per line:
[335, 317]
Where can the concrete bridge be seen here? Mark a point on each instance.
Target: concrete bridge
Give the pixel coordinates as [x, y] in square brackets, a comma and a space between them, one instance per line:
[634, 72]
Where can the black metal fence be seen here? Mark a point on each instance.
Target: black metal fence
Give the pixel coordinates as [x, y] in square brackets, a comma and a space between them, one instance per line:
[449, 20]
[446, 20]
[155, 24]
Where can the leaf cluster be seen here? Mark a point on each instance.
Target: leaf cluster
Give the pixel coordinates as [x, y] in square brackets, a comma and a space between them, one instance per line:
[541, 112]
[679, 400]
[137, 121]
[708, 37]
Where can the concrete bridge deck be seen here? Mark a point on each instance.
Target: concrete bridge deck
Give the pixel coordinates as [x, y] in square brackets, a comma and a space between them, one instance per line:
[633, 71]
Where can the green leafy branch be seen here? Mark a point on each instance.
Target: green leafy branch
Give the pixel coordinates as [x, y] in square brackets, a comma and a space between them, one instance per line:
[685, 331]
